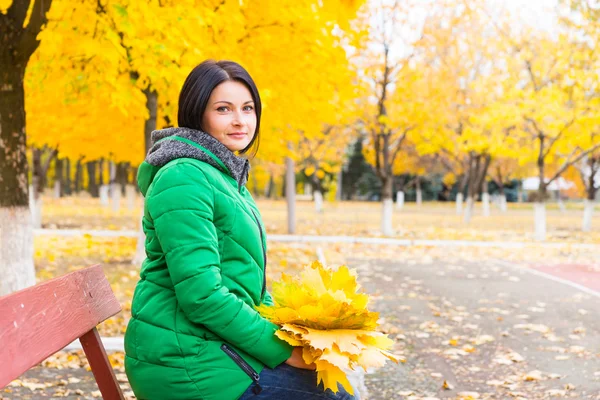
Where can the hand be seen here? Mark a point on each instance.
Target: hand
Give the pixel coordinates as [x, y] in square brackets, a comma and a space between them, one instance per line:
[297, 361]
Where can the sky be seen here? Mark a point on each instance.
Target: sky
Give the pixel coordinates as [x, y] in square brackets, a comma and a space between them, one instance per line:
[534, 12]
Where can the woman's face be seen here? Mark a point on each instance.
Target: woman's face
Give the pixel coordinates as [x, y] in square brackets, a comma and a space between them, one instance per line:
[230, 116]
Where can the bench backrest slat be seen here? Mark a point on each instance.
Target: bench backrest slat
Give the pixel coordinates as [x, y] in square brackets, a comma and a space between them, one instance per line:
[39, 321]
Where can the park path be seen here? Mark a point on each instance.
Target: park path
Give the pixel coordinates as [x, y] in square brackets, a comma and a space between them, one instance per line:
[485, 329]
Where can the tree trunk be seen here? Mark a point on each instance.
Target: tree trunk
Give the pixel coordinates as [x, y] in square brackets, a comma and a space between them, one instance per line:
[79, 176]
[419, 192]
[92, 184]
[68, 184]
[318, 197]
[150, 123]
[399, 200]
[123, 176]
[503, 204]
[387, 207]
[115, 192]
[338, 189]
[540, 220]
[588, 215]
[16, 231]
[36, 188]
[58, 178]
[540, 206]
[459, 203]
[290, 194]
[101, 172]
[460, 194]
[485, 200]
[502, 197]
[471, 187]
[269, 187]
[104, 188]
[317, 193]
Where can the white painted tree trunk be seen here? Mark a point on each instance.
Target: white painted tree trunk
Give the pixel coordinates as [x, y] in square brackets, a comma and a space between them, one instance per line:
[588, 214]
[399, 200]
[503, 204]
[540, 221]
[35, 207]
[469, 210]
[386, 217]
[115, 196]
[459, 203]
[519, 196]
[140, 248]
[104, 189]
[115, 190]
[130, 194]
[485, 200]
[16, 249]
[57, 189]
[419, 197]
[318, 197]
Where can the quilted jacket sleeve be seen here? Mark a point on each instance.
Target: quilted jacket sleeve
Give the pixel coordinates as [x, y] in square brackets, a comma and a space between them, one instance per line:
[181, 205]
[268, 299]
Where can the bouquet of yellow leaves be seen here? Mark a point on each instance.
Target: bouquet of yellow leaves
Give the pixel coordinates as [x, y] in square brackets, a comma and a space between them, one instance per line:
[324, 313]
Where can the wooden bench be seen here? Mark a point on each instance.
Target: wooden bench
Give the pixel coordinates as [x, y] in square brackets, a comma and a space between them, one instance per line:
[39, 321]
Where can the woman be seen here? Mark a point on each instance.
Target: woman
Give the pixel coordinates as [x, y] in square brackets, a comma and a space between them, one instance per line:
[194, 332]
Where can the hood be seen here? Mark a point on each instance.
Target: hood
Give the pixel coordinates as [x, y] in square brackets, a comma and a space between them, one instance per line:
[173, 143]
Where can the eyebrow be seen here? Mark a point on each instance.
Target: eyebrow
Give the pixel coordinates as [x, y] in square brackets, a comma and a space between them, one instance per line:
[230, 103]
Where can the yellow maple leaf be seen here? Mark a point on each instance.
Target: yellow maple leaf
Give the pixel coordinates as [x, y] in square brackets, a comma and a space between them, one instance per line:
[330, 376]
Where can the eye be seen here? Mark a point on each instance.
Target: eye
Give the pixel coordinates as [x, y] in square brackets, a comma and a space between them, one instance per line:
[222, 109]
[248, 108]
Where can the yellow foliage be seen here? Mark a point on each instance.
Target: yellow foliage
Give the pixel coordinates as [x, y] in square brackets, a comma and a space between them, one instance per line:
[324, 312]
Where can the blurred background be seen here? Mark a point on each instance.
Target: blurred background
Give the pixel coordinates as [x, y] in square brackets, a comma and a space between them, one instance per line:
[457, 134]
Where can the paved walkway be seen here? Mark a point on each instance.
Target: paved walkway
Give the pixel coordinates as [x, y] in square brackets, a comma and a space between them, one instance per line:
[492, 329]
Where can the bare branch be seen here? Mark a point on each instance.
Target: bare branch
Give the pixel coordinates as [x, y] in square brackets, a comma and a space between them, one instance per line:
[568, 162]
[555, 139]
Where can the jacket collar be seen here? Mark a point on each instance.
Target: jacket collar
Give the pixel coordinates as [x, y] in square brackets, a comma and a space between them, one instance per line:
[173, 143]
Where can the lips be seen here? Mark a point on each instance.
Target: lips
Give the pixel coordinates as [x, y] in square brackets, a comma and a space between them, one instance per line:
[237, 135]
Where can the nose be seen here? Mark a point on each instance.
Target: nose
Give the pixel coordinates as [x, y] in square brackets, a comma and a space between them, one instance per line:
[237, 119]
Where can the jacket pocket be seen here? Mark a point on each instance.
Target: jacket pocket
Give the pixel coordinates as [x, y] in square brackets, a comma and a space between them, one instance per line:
[244, 366]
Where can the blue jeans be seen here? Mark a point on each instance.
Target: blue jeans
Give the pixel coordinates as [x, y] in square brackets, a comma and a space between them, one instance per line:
[289, 383]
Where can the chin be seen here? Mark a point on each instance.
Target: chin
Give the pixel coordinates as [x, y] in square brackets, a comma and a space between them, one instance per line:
[234, 147]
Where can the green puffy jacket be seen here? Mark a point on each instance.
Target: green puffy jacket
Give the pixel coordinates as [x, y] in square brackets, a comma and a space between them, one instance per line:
[194, 332]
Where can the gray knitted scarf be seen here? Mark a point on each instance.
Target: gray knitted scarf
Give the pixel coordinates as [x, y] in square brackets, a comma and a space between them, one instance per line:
[167, 150]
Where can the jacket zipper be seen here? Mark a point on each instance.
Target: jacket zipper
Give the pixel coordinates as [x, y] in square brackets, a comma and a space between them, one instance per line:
[262, 243]
[244, 366]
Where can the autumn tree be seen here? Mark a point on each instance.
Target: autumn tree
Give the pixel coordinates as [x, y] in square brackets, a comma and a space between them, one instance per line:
[392, 107]
[20, 24]
[554, 105]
